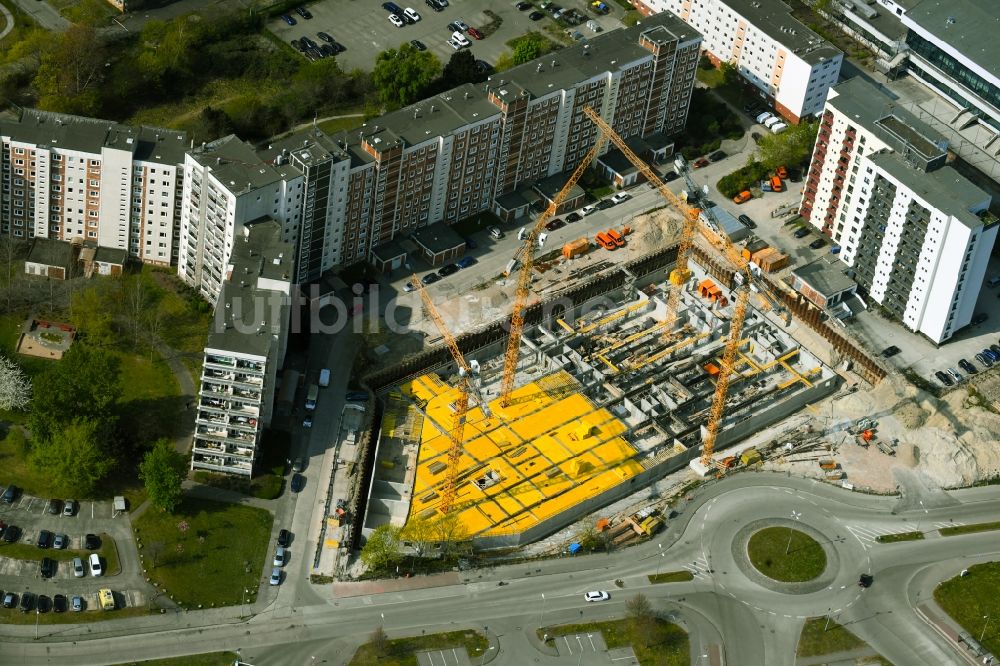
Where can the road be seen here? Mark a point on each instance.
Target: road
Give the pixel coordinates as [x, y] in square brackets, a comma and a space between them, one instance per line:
[725, 605]
[44, 14]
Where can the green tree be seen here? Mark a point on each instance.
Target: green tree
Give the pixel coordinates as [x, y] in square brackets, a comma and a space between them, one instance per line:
[421, 532]
[403, 76]
[381, 550]
[529, 47]
[504, 61]
[74, 457]
[85, 385]
[790, 148]
[461, 68]
[70, 74]
[162, 470]
[730, 74]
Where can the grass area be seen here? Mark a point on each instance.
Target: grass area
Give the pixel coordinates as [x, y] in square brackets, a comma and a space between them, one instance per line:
[671, 577]
[335, 125]
[15, 616]
[204, 553]
[712, 78]
[25, 551]
[786, 555]
[969, 529]
[207, 659]
[276, 446]
[970, 598]
[94, 12]
[665, 645]
[818, 637]
[401, 651]
[903, 536]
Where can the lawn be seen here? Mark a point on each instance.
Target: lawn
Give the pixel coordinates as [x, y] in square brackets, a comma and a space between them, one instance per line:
[969, 529]
[204, 553]
[401, 651]
[667, 644]
[902, 536]
[85, 11]
[671, 577]
[713, 78]
[968, 599]
[786, 555]
[15, 616]
[818, 638]
[207, 659]
[25, 551]
[335, 125]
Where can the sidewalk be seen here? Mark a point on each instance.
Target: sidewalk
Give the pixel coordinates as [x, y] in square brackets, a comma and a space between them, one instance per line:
[344, 590]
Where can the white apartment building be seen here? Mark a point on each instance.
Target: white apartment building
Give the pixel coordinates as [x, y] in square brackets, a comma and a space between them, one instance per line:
[789, 65]
[245, 349]
[916, 233]
[227, 185]
[67, 177]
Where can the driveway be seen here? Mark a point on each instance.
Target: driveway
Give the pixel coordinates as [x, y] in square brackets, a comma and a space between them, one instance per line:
[44, 14]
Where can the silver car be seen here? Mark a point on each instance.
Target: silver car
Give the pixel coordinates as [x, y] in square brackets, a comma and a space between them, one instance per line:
[78, 570]
[275, 576]
[280, 556]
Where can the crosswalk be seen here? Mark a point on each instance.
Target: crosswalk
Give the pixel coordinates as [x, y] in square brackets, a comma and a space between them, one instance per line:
[950, 523]
[870, 535]
[699, 568]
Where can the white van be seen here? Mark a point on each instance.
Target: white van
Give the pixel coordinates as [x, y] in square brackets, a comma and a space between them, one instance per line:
[459, 38]
[778, 128]
[324, 377]
[95, 565]
[771, 122]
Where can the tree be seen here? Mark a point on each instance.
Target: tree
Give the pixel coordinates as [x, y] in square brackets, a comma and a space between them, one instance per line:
[84, 385]
[155, 549]
[402, 76]
[790, 148]
[504, 61]
[421, 532]
[162, 470]
[461, 68]
[450, 531]
[381, 550]
[71, 73]
[641, 617]
[730, 75]
[74, 457]
[92, 316]
[379, 641]
[529, 47]
[135, 306]
[15, 387]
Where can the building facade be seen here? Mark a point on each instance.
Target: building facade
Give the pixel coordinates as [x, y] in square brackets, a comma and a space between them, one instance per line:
[789, 65]
[67, 177]
[245, 349]
[916, 234]
[443, 159]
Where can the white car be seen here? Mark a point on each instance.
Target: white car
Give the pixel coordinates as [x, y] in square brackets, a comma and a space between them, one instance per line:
[764, 116]
[275, 576]
[408, 287]
[410, 12]
[597, 595]
[771, 122]
[396, 21]
[620, 197]
[460, 38]
[462, 25]
[453, 44]
[778, 128]
[587, 210]
[95, 565]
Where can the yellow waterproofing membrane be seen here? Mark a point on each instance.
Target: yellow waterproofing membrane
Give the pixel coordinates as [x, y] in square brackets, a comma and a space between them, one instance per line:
[539, 456]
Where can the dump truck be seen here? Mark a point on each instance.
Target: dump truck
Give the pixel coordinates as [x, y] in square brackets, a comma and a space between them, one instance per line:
[575, 248]
[645, 522]
[750, 457]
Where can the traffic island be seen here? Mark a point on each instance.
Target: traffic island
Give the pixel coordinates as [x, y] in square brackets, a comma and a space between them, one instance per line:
[653, 640]
[382, 650]
[812, 562]
[972, 601]
[822, 636]
[786, 554]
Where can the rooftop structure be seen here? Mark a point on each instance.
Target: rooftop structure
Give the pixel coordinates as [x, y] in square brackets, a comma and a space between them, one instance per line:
[606, 407]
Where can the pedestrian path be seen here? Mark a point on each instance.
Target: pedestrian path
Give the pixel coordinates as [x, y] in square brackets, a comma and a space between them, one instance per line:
[699, 568]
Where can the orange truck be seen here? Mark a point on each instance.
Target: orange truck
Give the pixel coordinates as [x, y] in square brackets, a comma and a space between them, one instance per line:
[605, 241]
[742, 197]
[616, 237]
[782, 172]
[776, 185]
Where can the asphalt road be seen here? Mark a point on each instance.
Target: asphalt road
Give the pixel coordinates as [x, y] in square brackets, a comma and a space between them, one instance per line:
[756, 623]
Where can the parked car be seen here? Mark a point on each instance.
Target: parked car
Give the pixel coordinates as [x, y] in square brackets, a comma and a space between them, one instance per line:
[475, 34]
[59, 603]
[552, 225]
[54, 507]
[96, 569]
[496, 233]
[78, 569]
[462, 25]
[604, 204]
[802, 233]
[275, 576]
[670, 176]
[44, 603]
[587, 210]
[700, 163]
[944, 379]
[288, 19]
[995, 349]
[307, 422]
[44, 539]
[91, 542]
[890, 351]
[764, 117]
[284, 538]
[782, 172]
[303, 12]
[76, 603]
[778, 128]
[298, 482]
[9, 600]
[47, 567]
[448, 269]
[27, 601]
[280, 556]
[411, 13]
[574, 217]
[69, 508]
[718, 155]
[817, 244]
[536, 16]
[597, 595]
[620, 197]
[748, 221]
[325, 37]
[430, 278]
[10, 494]
[983, 360]
[742, 197]
[523, 6]
[418, 45]
[60, 542]
[968, 367]
[466, 262]
[396, 21]
[11, 533]
[955, 375]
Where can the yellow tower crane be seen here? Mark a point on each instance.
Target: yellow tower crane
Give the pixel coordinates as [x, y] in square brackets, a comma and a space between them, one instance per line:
[523, 290]
[740, 264]
[466, 387]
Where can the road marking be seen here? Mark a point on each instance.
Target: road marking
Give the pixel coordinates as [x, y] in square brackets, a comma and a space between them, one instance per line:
[942, 525]
[566, 638]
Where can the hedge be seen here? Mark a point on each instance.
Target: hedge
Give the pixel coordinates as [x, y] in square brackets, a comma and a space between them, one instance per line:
[742, 179]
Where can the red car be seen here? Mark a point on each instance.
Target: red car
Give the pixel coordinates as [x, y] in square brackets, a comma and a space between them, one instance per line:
[475, 34]
[701, 163]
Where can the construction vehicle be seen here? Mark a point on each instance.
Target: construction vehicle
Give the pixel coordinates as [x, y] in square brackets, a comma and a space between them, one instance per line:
[618, 239]
[606, 241]
[750, 456]
[527, 257]
[743, 277]
[729, 462]
[885, 447]
[644, 522]
[834, 475]
[469, 385]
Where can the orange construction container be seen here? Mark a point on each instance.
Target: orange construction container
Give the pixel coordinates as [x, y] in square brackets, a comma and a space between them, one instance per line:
[711, 368]
[575, 248]
[774, 262]
[616, 237]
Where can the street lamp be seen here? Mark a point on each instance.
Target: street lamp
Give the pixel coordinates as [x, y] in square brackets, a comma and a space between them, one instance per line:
[796, 515]
[486, 630]
[541, 616]
[983, 634]
[659, 563]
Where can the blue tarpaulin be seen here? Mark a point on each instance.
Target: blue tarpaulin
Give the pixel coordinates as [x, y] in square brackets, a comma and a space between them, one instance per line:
[574, 548]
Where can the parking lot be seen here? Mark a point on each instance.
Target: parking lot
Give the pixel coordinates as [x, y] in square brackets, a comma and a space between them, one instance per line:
[365, 31]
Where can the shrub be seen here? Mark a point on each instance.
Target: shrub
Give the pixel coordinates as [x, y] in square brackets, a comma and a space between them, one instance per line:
[267, 487]
[742, 179]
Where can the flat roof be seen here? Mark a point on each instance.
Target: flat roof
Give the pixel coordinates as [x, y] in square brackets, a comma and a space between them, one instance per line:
[110, 255]
[774, 18]
[237, 165]
[50, 252]
[617, 162]
[437, 238]
[547, 454]
[388, 251]
[551, 186]
[876, 109]
[825, 275]
[258, 253]
[89, 135]
[968, 26]
[944, 188]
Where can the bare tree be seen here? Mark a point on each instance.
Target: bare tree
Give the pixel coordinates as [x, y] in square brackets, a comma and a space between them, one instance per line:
[641, 617]
[15, 387]
[135, 306]
[154, 326]
[154, 550]
[379, 641]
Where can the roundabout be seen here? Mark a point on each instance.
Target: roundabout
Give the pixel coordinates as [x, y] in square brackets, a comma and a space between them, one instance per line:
[797, 559]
